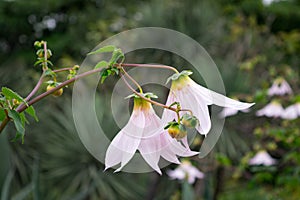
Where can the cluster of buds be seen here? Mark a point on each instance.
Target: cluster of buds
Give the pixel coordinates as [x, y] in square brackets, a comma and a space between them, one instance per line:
[178, 129]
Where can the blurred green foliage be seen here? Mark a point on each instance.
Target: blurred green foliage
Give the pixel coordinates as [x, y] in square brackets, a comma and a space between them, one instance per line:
[251, 43]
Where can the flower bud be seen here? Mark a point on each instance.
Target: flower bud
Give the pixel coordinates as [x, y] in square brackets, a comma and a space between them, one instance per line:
[49, 53]
[177, 131]
[75, 67]
[15, 102]
[57, 93]
[189, 121]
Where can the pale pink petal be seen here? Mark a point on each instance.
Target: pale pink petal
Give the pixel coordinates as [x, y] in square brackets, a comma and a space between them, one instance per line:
[199, 109]
[211, 97]
[169, 115]
[126, 142]
[150, 151]
[226, 112]
[272, 109]
[290, 113]
[176, 174]
[262, 158]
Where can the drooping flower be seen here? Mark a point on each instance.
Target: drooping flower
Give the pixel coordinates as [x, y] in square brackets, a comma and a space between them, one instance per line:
[226, 112]
[186, 171]
[144, 132]
[291, 112]
[280, 87]
[273, 109]
[193, 96]
[262, 158]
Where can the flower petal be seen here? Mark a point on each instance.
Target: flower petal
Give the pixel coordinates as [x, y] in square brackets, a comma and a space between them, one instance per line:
[211, 97]
[195, 103]
[126, 142]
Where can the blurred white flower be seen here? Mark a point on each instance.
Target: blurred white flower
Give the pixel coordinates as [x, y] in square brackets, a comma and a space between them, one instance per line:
[194, 97]
[262, 158]
[226, 112]
[291, 112]
[273, 109]
[267, 2]
[186, 171]
[144, 132]
[280, 87]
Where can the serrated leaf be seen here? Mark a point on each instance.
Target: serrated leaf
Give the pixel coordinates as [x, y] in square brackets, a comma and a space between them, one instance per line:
[18, 124]
[30, 110]
[105, 49]
[117, 55]
[49, 72]
[9, 94]
[101, 64]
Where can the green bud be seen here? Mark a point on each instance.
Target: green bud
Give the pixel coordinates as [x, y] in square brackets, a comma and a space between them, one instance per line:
[75, 67]
[49, 53]
[177, 131]
[37, 44]
[189, 121]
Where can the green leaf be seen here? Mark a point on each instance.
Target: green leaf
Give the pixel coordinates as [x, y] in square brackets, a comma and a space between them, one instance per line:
[105, 49]
[101, 64]
[30, 110]
[115, 70]
[9, 94]
[117, 55]
[40, 61]
[18, 124]
[49, 62]
[49, 72]
[19, 136]
[2, 114]
[23, 119]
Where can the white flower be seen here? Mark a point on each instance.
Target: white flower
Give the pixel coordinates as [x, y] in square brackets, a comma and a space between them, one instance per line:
[273, 109]
[186, 171]
[280, 87]
[291, 112]
[262, 158]
[226, 112]
[194, 97]
[144, 132]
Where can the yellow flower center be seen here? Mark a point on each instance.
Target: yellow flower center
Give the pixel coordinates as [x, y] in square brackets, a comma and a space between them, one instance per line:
[139, 103]
[180, 83]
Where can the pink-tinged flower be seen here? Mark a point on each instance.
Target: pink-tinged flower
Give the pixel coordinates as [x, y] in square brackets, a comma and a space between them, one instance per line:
[194, 97]
[226, 112]
[186, 171]
[280, 87]
[144, 132]
[273, 109]
[291, 112]
[262, 158]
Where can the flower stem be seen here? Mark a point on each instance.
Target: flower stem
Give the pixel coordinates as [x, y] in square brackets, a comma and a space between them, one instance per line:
[62, 69]
[143, 97]
[150, 66]
[63, 84]
[132, 79]
[45, 64]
